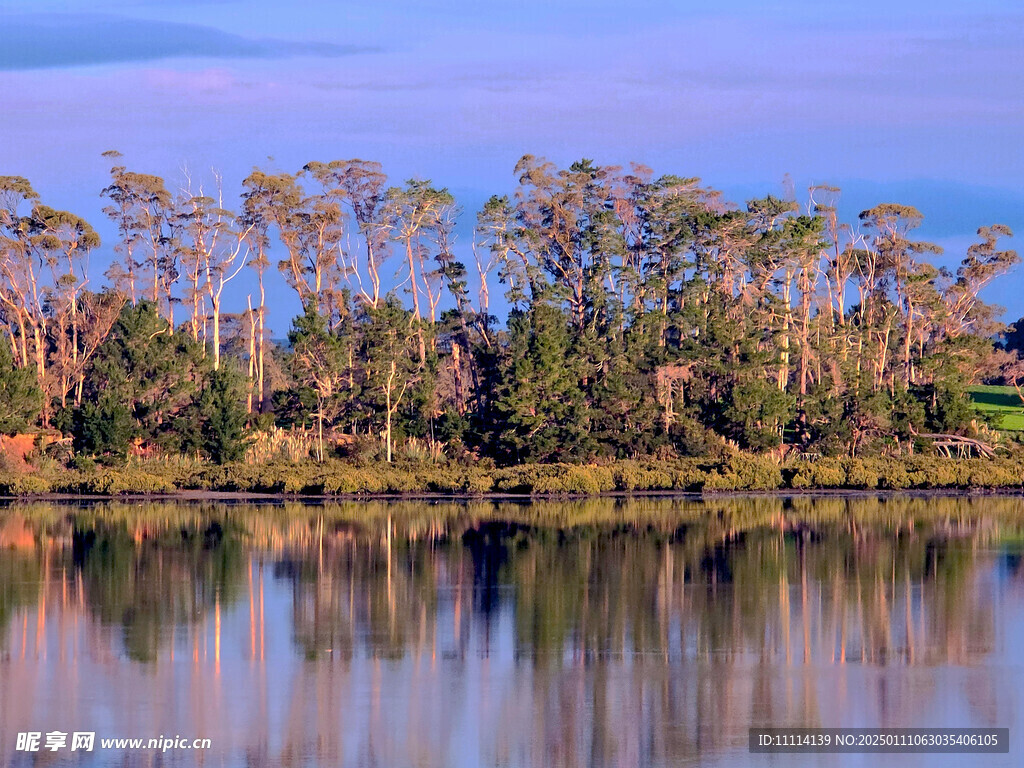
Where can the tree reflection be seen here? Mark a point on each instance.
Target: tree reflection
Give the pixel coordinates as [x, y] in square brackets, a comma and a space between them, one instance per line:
[602, 632]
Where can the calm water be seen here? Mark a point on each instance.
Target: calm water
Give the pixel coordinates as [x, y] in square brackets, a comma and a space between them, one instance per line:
[601, 633]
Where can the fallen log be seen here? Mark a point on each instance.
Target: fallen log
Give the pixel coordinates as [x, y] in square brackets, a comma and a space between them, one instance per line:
[948, 441]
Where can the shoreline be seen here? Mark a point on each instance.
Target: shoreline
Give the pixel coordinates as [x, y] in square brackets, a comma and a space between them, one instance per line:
[242, 497]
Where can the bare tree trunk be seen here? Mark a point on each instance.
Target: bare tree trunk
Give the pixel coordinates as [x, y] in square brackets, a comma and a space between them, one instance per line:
[786, 323]
[14, 345]
[460, 400]
[194, 319]
[261, 343]
[320, 430]
[39, 335]
[371, 264]
[805, 332]
[215, 303]
[387, 396]
[908, 374]
[253, 323]
[415, 302]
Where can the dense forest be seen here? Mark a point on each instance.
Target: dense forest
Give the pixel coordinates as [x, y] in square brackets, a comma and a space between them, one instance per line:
[646, 317]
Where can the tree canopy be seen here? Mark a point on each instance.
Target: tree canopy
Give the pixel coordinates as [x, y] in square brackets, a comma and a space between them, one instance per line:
[647, 316]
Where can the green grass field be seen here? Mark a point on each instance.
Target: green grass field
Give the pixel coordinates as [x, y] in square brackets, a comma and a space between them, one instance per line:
[1001, 403]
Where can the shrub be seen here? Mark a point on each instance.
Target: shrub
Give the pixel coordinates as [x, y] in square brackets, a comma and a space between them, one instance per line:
[741, 472]
[860, 474]
[556, 479]
[893, 475]
[23, 485]
[632, 476]
[996, 474]
[746, 472]
[822, 473]
[688, 476]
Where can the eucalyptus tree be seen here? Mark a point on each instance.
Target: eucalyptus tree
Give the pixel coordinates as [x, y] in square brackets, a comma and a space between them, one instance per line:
[418, 215]
[141, 208]
[464, 319]
[983, 264]
[570, 227]
[213, 252]
[20, 291]
[267, 203]
[255, 217]
[325, 229]
[804, 247]
[496, 245]
[311, 228]
[893, 255]
[360, 187]
[64, 242]
[839, 267]
[666, 210]
[768, 264]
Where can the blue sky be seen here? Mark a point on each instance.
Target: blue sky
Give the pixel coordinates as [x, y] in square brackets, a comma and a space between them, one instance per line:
[894, 101]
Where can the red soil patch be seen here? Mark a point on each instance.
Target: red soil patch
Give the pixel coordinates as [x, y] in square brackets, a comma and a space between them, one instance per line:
[15, 449]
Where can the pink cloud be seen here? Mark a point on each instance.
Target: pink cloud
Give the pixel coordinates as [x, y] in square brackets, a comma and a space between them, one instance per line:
[210, 80]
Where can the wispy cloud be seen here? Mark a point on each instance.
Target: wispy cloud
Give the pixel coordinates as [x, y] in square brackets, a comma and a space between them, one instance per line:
[49, 41]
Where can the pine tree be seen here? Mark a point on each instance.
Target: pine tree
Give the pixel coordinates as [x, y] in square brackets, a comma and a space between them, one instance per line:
[541, 404]
[20, 397]
[222, 405]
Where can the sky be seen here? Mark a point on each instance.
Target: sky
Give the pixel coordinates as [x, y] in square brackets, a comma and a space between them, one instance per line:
[900, 101]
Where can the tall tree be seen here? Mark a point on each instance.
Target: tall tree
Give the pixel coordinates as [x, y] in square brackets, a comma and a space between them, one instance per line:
[387, 340]
[319, 361]
[141, 207]
[416, 213]
[214, 253]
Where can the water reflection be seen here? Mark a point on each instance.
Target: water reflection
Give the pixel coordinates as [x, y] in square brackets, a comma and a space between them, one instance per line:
[599, 633]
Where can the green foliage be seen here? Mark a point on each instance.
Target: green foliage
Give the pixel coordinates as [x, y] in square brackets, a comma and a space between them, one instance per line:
[318, 360]
[635, 476]
[20, 397]
[822, 473]
[949, 407]
[758, 411]
[452, 426]
[540, 404]
[145, 368]
[746, 473]
[103, 427]
[223, 416]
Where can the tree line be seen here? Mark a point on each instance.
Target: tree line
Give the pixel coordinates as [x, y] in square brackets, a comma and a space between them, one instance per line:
[646, 316]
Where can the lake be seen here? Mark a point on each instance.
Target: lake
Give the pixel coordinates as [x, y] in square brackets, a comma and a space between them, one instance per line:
[607, 632]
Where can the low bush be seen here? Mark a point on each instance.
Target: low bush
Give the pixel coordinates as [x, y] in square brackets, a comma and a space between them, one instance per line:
[635, 476]
[746, 472]
[555, 479]
[17, 484]
[821, 473]
[740, 472]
